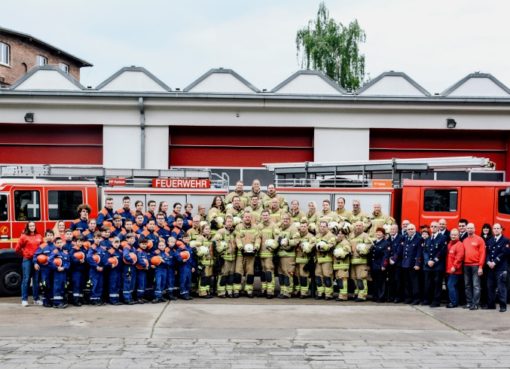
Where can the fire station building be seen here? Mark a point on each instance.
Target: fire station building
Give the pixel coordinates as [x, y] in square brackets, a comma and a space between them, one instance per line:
[134, 120]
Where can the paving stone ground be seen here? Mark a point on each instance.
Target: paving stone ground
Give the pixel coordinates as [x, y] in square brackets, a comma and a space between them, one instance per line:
[255, 333]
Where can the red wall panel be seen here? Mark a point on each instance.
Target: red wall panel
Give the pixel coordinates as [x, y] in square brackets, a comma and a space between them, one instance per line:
[51, 144]
[238, 146]
[393, 143]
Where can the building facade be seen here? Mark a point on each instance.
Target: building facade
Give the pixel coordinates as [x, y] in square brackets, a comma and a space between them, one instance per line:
[134, 120]
[20, 52]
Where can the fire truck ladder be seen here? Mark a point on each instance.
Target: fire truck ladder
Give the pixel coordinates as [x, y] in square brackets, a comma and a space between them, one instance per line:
[132, 177]
[362, 173]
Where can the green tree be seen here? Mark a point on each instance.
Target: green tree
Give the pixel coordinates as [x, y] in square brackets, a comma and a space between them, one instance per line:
[333, 49]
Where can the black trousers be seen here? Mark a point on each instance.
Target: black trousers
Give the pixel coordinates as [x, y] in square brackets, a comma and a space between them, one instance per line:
[379, 283]
[496, 287]
[411, 283]
[396, 283]
[433, 286]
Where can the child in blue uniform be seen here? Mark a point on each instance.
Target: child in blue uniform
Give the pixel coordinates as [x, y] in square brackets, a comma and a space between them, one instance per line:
[129, 260]
[142, 265]
[78, 270]
[114, 265]
[184, 256]
[45, 270]
[59, 262]
[96, 257]
[161, 270]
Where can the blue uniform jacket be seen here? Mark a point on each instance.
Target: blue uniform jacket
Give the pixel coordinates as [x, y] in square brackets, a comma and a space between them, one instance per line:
[75, 263]
[434, 248]
[104, 215]
[498, 251]
[379, 254]
[64, 256]
[396, 248]
[79, 225]
[411, 253]
[97, 251]
[184, 264]
[46, 249]
[143, 259]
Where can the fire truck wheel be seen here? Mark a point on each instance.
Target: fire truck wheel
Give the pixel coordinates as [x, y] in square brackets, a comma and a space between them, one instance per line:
[10, 279]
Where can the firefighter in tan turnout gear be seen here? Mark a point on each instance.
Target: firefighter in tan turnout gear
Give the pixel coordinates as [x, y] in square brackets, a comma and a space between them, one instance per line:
[304, 253]
[226, 248]
[288, 239]
[271, 194]
[357, 215]
[205, 254]
[239, 191]
[360, 248]
[341, 211]
[236, 210]
[342, 263]
[325, 242]
[247, 246]
[268, 234]
[379, 220]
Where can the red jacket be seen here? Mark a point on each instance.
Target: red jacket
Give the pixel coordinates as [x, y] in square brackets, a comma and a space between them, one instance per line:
[455, 257]
[474, 251]
[27, 245]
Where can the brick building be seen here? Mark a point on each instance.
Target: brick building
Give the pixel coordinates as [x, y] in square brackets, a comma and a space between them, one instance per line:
[20, 52]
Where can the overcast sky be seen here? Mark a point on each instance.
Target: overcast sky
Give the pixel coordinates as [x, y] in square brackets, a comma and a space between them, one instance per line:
[436, 42]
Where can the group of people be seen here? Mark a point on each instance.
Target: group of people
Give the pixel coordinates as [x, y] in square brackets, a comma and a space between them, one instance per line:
[140, 255]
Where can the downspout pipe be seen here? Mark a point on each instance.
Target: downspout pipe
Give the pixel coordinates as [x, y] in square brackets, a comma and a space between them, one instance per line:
[141, 108]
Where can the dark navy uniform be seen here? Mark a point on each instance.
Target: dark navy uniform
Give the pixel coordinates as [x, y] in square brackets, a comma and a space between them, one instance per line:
[396, 286]
[379, 261]
[434, 249]
[498, 249]
[411, 256]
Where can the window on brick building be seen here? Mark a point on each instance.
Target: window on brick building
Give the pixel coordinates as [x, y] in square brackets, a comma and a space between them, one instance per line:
[5, 53]
[41, 60]
[63, 67]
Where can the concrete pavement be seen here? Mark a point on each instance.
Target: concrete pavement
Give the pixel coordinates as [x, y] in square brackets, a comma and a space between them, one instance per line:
[252, 333]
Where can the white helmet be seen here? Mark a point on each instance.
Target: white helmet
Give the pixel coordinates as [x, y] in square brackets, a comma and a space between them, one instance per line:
[237, 220]
[296, 224]
[362, 248]
[306, 247]
[220, 221]
[332, 225]
[321, 245]
[203, 223]
[270, 243]
[284, 241]
[339, 253]
[202, 250]
[229, 206]
[347, 227]
[221, 246]
[248, 248]
[387, 228]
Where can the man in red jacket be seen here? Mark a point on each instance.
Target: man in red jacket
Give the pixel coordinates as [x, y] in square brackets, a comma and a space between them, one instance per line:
[474, 259]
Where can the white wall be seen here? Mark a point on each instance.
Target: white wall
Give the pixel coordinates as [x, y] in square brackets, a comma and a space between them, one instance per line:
[475, 87]
[341, 144]
[156, 147]
[308, 84]
[392, 86]
[47, 80]
[121, 147]
[133, 81]
[221, 82]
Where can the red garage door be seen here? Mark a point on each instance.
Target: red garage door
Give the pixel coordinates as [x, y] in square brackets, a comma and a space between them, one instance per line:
[396, 143]
[51, 144]
[238, 146]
